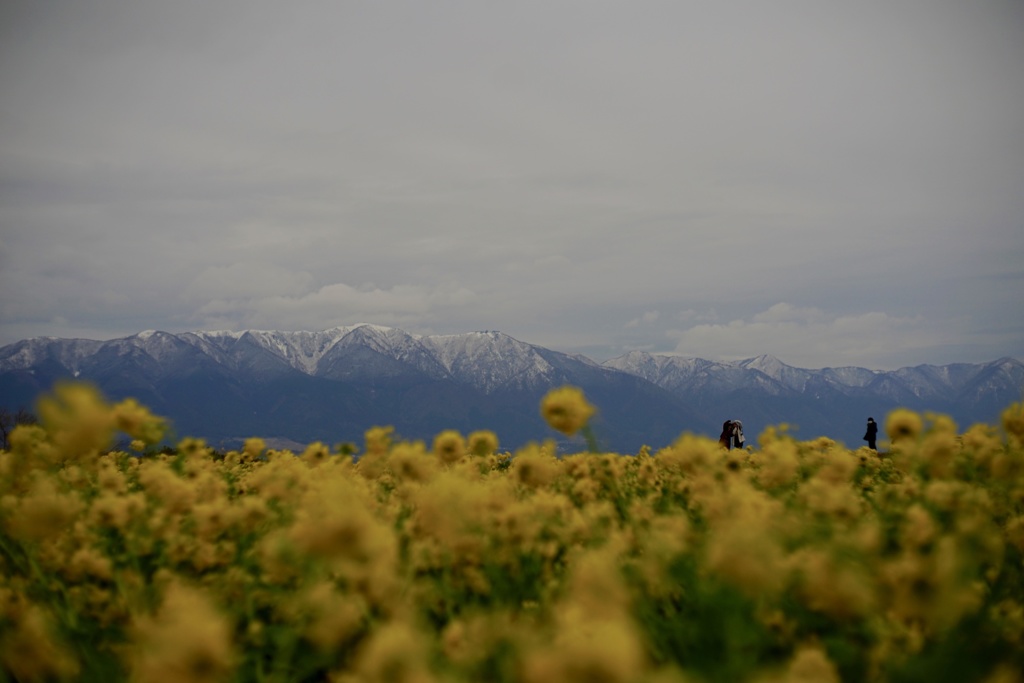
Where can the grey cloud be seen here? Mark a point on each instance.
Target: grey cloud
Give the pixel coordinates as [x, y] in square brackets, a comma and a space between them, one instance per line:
[809, 337]
[568, 168]
[339, 304]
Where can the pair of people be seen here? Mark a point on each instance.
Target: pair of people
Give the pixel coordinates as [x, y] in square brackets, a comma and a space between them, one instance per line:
[732, 435]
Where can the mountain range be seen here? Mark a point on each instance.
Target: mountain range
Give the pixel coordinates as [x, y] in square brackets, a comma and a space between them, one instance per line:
[296, 387]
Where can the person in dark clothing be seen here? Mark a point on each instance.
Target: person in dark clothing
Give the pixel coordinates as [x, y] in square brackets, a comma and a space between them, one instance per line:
[725, 440]
[871, 434]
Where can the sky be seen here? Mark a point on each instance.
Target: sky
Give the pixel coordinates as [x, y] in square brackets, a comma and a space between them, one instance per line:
[832, 183]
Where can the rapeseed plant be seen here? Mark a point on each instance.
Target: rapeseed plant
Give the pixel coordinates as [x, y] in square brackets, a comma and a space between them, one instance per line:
[903, 425]
[188, 640]
[566, 409]
[482, 442]
[792, 561]
[449, 446]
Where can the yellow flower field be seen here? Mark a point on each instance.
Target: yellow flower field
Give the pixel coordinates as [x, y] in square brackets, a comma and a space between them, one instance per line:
[455, 561]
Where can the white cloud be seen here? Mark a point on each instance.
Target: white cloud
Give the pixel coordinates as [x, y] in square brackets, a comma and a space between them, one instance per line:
[648, 318]
[807, 337]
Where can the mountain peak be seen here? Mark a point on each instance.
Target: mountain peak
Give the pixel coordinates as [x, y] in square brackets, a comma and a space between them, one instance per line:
[764, 361]
[488, 359]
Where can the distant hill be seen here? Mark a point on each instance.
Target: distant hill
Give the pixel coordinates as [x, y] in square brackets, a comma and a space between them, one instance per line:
[332, 385]
[834, 402]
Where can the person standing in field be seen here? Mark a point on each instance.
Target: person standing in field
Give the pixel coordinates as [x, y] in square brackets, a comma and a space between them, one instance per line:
[871, 434]
[737, 434]
[732, 435]
[725, 440]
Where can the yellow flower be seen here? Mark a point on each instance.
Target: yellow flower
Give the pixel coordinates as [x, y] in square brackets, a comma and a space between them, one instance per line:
[779, 463]
[333, 618]
[109, 478]
[194, 448]
[834, 585]
[938, 451]
[334, 521]
[253, 448]
[378, 440]
[396, 653]
[188, 640]
[746, 556]
[811, 665]
[919, 528]
[982, 444]
[839, 468]
[566, 409]
[483, 442]
[161, 484]
[411, 462]
[1013, 421]
[137, 422]
[534, 467]
[213, 518]
[89, 562]
[585, 650]
[29, 651]
[43, 513]
[114, 511]
[903, 424]
[77, 419]
[1015, 531]
[838, 500]
[315, 454]
[449, 446]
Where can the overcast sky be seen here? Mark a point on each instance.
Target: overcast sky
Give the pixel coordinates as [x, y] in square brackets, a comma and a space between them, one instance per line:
[833, 183]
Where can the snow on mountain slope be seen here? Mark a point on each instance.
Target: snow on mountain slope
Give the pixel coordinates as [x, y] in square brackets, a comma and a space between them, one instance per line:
[689, 375]
[300, 350]
[162, 347]
[368, 351]
[849, 376]
[492, 360]
[648, 366]
[787, 375]
[659, 369]
[489, 360]
[27, 353]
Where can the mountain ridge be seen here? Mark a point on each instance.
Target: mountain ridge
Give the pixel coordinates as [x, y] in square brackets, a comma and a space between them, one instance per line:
[337, 382]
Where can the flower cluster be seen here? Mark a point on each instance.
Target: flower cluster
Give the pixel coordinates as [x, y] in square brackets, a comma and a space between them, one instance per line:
[454, 561]
[566, 409]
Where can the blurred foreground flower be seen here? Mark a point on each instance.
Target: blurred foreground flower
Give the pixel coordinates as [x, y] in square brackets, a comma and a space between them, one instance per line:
[187, 640]
[903, 424]
[449, 446]
[1013, 420]
[566, 409]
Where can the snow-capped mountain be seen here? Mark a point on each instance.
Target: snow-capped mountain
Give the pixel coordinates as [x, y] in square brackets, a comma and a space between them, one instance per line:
[334, 384]
[695, 376]
[831, 401]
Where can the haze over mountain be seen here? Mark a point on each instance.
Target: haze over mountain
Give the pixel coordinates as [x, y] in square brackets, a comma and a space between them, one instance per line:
[332, 385]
